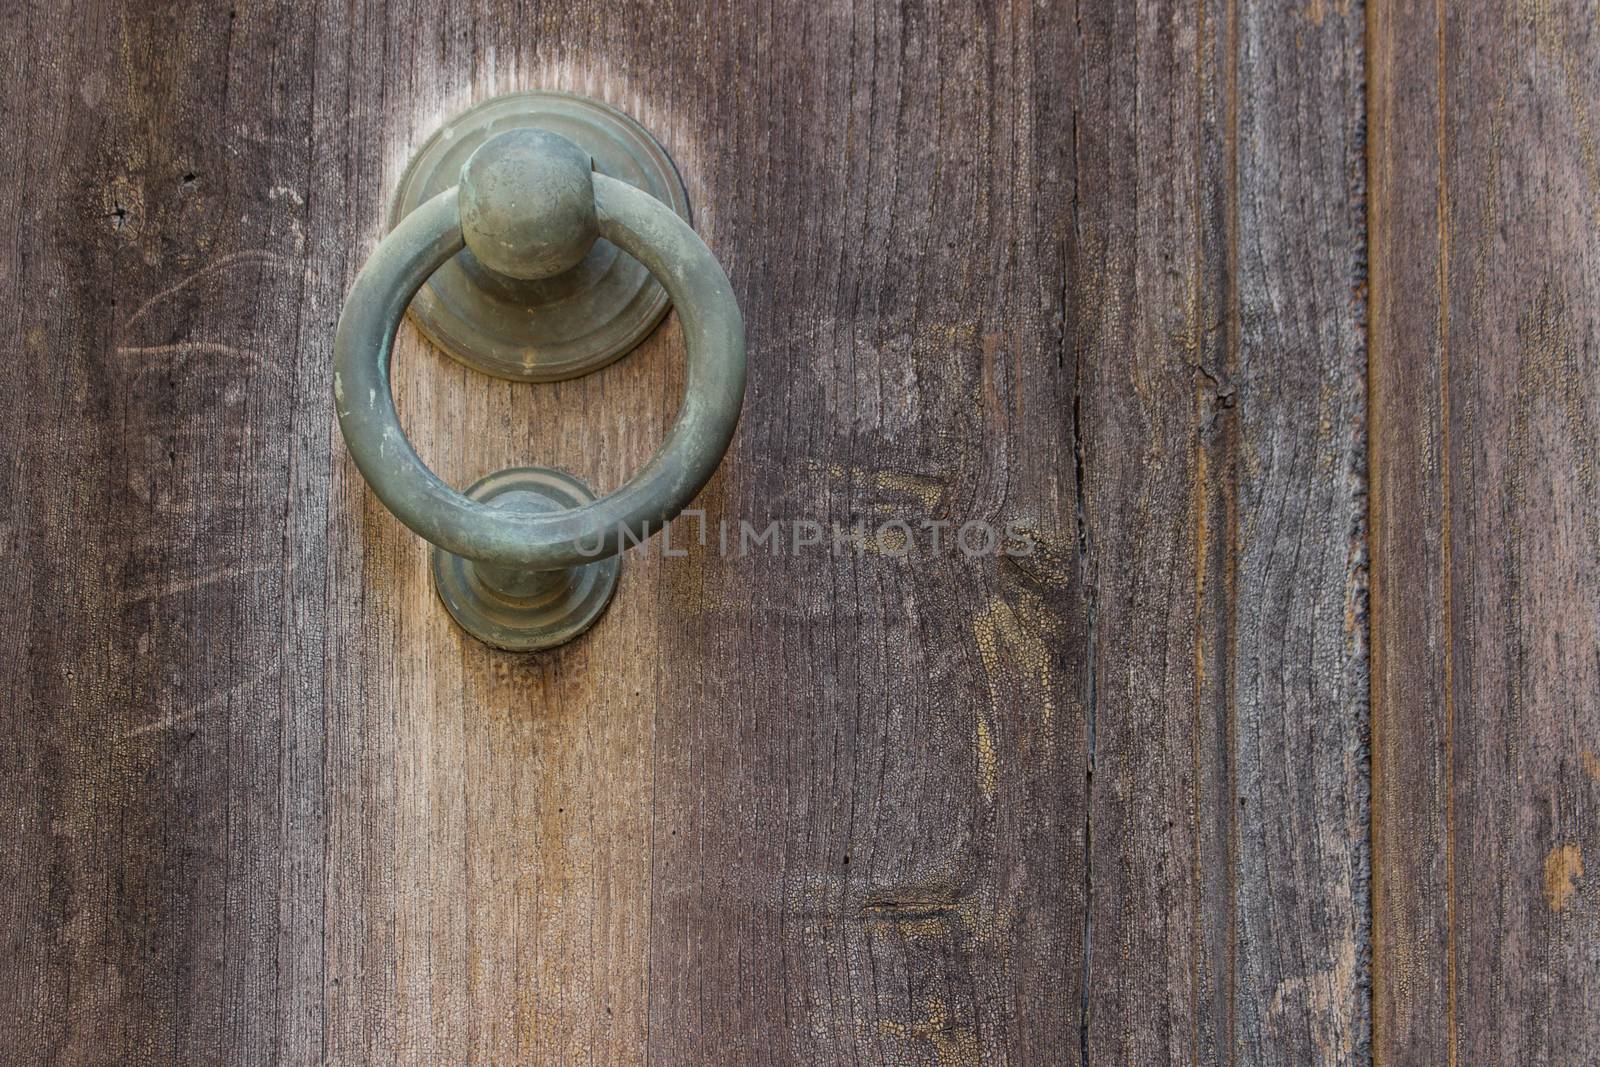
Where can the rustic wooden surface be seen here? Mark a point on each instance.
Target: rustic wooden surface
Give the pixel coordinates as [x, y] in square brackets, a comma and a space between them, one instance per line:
[1218, 272]
[1486, 723]
[1098, 271]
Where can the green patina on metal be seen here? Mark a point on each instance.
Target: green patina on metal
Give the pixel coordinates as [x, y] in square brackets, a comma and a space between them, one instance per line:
[545, 328]
[514, 608]
[526, 211]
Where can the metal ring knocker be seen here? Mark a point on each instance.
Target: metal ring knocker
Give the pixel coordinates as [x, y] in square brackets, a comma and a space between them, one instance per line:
[526, 558]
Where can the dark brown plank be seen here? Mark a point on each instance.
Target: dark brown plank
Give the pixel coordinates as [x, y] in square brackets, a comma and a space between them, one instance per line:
[1093, 271]
[869, 780]
[1413, 1009]
[1147, 269]
[165, 663]
[1486, 269]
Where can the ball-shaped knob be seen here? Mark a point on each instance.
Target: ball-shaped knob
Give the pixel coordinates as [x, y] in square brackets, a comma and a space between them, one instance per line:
[527, 204]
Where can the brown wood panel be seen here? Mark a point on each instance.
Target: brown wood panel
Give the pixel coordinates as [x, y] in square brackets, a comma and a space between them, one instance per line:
[1485, 275]
[1219, 284]
[869, 795]
[1091, 270]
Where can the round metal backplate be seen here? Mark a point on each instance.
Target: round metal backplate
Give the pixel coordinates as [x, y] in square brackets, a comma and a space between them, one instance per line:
[557, 611]
[562, 327]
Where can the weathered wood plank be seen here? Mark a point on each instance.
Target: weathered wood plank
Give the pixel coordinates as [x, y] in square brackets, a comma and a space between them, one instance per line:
[1145, 257]
[1219, 275]
[869, 768]
[504, 914]
[158, 695]
[1298, 617]
[1485, 274]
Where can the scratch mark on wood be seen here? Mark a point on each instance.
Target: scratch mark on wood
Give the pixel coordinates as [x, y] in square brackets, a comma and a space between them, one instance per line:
[222, 263]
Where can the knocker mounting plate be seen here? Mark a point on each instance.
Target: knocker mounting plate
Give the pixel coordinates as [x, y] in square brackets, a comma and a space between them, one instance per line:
[553, 328]
[517, 609]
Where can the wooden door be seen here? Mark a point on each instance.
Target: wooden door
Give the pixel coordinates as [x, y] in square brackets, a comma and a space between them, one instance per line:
[1172, 288]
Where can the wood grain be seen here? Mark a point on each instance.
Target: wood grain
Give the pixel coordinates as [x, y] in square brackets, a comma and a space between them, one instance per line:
[1485, 272]
[1094, 271]
[1221, 432]
[1301, 930]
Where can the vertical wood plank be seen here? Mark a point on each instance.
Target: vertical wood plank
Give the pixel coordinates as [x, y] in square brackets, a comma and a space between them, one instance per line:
[1485, 275]
[1221, 435]
[164, 700]
[869, 768]
[1413, 1004]
[505, 915]
[1299, 664]
[1141, 277]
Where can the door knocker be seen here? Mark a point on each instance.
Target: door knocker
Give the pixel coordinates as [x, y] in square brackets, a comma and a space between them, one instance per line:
[518, 254]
